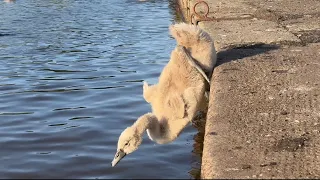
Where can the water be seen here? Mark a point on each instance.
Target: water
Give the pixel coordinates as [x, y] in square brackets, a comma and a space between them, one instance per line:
[71, 75]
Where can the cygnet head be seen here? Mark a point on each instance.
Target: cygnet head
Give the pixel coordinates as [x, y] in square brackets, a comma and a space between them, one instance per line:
[129, 141]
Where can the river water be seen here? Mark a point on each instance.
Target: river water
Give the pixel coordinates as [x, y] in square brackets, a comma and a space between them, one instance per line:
[71, 75]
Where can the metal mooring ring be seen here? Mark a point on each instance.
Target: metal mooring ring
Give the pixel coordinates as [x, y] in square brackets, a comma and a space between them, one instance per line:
[207, 7]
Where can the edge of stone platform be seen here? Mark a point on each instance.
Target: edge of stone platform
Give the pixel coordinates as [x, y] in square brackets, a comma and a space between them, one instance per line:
[183, 9]
[272, 28]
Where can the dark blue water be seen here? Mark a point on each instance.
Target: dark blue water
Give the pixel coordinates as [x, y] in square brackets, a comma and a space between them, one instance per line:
[71, 75]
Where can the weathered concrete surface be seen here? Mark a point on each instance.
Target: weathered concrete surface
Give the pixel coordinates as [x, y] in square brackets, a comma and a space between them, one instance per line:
[228, 34]
[287, 7]
[243, 22]
[264, 115]
[263, 119]
[236, 9]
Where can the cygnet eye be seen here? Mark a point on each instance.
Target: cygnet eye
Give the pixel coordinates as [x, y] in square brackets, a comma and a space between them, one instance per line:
[126, 144]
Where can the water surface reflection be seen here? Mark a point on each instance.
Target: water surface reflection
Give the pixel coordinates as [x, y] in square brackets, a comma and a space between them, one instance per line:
[71, 77]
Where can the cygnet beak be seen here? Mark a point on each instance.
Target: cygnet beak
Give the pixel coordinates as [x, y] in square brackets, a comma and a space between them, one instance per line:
[119, 155]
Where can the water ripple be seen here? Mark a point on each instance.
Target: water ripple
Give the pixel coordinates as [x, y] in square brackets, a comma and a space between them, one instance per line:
[14, 113]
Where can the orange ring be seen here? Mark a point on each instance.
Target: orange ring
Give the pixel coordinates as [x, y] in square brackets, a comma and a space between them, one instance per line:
[194, 8]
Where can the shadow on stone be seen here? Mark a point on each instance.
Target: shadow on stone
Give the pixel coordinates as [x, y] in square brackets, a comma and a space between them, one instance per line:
[290, 144]
[176, 11]
[310, 36]
[243, 51]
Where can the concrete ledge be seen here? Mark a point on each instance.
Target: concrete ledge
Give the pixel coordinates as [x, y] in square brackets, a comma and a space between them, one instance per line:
[287, 9]
[231, 9]
[264, 115]
[306, 28]
[228, 34]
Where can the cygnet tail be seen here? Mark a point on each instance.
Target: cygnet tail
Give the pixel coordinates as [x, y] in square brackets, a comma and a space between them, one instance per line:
[189, 36]
[198, 42]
